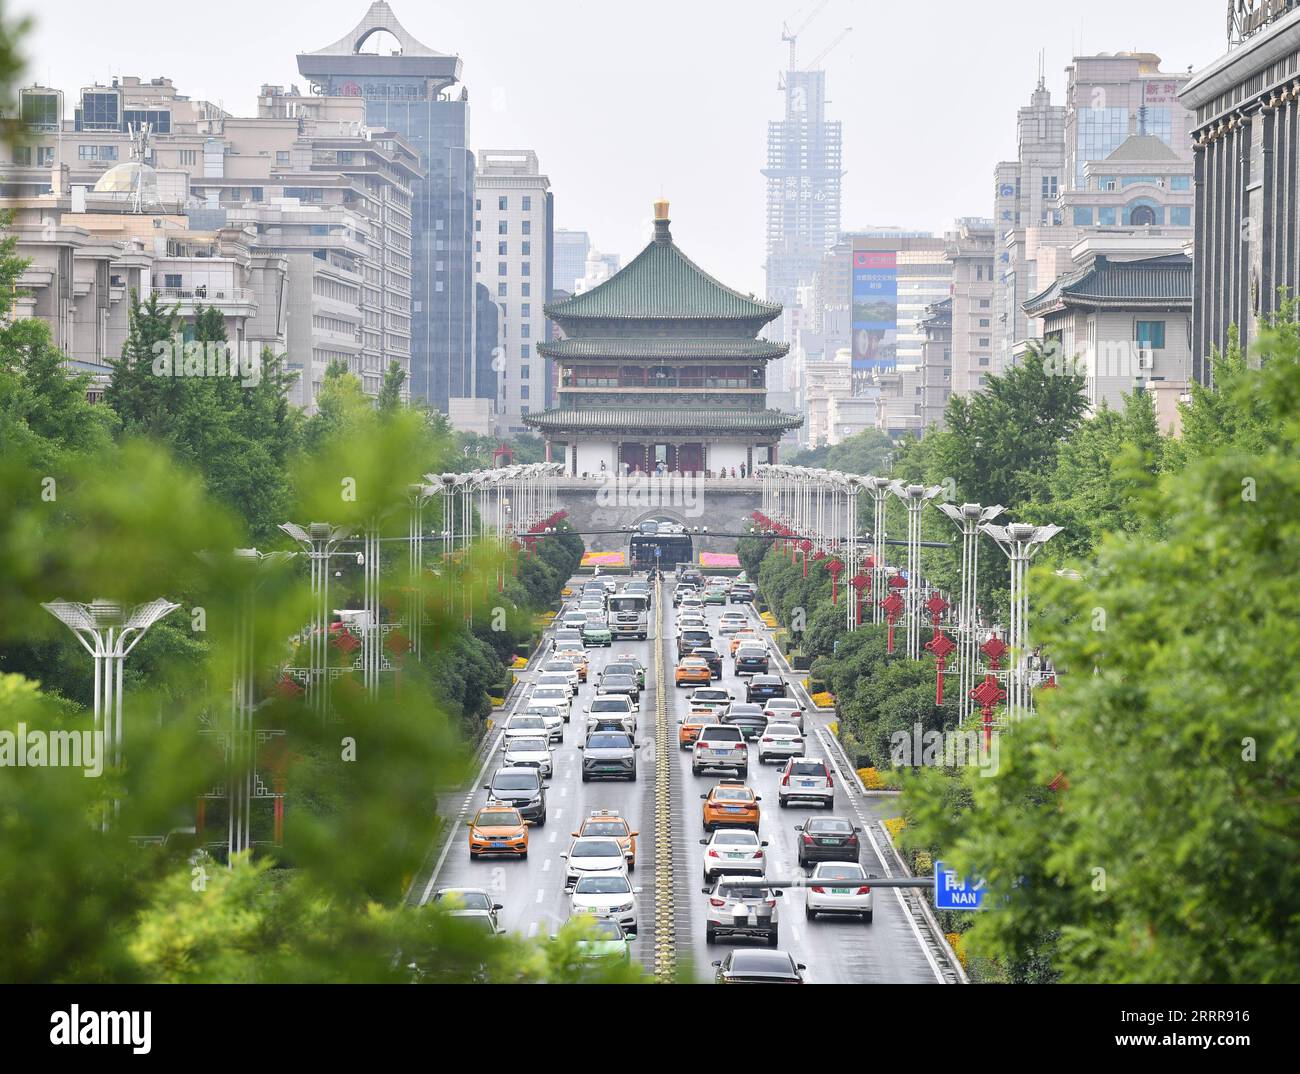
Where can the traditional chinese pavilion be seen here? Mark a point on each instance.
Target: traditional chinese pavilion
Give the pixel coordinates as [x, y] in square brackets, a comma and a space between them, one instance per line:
[660, 368]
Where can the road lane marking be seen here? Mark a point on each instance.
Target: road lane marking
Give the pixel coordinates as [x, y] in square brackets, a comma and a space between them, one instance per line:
[541, 894]
[464, 809]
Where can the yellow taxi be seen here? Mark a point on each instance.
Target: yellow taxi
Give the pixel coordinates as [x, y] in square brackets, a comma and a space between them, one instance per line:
[690, 728]
[738, 639]
[579, 659]
[693, 671]
[730, 804]
[608, 823]
[498, 831]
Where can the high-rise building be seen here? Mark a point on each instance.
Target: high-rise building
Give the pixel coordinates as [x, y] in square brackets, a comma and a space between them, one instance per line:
[970, 249]
[803, 185]
[512, 257]
[569, 258]
[409, 91]
[1246, 113]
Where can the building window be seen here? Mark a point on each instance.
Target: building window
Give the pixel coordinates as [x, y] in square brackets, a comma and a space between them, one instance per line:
[984, 302]
[478, 266]
[1049, 187]
[502, 249]
[1180, 216]
[528, 249]
[523, 391]
[44, 156]
[478, 225]
[528, 203]
[528, 227]
[501, 268]
[503, 203]
[23, 155]
[1082, 216]
[1143, 216]
[478, 247]
[281, 156]
[172, 281]
[478, 205]
[527, 290]
[984, 341]
[525, 331]
[523, 372]
[984, 359]
[1107, 216]
[524, 354]
[1180, 182]
[1151, 334]
[526, 310]
[503, 289]
[523, 410]
[527, 269]
[190, 156]
[502, 229]
[984, 322]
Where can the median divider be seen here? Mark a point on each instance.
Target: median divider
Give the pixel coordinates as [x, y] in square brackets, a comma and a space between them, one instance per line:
[665, 966]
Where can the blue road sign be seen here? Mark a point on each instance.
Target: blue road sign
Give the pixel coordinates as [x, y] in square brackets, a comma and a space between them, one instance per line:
[658, 551]
[953, 892]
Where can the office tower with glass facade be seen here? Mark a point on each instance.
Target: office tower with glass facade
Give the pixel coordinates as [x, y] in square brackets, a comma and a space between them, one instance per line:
[569, 258]
[408, 90]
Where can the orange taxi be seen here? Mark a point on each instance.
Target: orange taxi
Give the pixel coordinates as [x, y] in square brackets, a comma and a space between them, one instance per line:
[738, 639]
[693, 671]
[608, 823]
[578, 657]
[730, 804]
[498, 831]
[691, 727]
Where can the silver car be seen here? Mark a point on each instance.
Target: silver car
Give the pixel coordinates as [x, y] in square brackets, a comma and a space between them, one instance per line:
[525, 752]
[461, 902]
[741, 906]
[588, 855]
[780, 740]
[784, 710]
[839, 887]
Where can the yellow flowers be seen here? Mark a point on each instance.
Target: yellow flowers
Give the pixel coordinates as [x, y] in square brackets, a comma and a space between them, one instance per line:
[769, 620]
[824, 700]
[871, 779]
[519, 662]
[955, 942]
[894, 825]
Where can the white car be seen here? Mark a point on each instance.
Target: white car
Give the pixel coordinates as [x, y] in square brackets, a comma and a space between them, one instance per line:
[567, 668]
[839, 887]
[556, 678]
[557, 695]
[779, 740]
[552, 719]
[784, 710]
[523, 751]
[732, 622]
[592, 854]
[733, 851]
[566, 638]
[808, 780]
[708, 699]
[611, 705]
[527, 725]
[606, 896]
[691, 604]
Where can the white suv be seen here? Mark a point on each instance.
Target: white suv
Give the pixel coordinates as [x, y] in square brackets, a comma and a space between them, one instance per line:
[810, 780]
[733, 851]
[525, 751]
[720, 747]
[557, 695]
[611, 705]
[552, 718]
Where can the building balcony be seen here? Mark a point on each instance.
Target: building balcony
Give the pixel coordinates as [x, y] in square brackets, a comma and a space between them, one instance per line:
[232, 301]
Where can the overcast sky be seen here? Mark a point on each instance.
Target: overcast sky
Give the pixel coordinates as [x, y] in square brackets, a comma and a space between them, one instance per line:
[625, 101]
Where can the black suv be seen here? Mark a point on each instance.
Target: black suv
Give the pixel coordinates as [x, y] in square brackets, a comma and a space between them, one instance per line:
[713, 658]
[692, 638]
[764, 688]
[751, 660]
[521, 788]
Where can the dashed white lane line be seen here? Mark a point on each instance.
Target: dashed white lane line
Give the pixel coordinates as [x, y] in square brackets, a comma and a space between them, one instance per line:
[880, 856]
[546, 865]
[541, 894]
[552, 837]
[532, 929]
[460, 816]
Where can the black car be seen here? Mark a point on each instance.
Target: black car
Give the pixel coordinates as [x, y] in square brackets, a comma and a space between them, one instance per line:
[692, 577]
[827, 839]
[691, 639]
[620, 684]
[711, 657]
[764, 688]
[749, 718]
[521, 788]
[752, 660]
[746, 966]
[741, 593]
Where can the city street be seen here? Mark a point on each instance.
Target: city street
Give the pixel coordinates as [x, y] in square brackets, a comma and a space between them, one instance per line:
[888, 950]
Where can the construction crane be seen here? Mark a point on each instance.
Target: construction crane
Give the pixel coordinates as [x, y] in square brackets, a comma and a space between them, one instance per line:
[812, 64]
[792, 36]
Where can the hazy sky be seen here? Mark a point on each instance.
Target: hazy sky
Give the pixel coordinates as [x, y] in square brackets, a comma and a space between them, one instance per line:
[625, 101]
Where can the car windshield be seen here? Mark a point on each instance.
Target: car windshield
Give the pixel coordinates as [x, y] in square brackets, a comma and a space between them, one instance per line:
[807, 768]
[734, 794]
[465, 900]
[619, 669]
[745, 709]
[761, 962]
[611, 682]
[710, 695]
[551, 691]
[722, 734]
[567, 637]
[541, 712]
[840, 872]
[606, 929]
[527, 723]
[499, 818]
[609, 704]
[695, 635]
[596, 848]
[516, 781]
[560, 667]
[528, 745]
[737, 839]
[609, 742]
[605, 827]
[751, 652]
[602, 885]
[829, 826]
[701, 720]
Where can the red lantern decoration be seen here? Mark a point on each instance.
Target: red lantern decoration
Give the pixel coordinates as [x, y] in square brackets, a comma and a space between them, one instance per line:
[893, 606]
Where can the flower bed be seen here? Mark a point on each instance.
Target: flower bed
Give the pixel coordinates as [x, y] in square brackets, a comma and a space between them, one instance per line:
[824, 700]
[894, 825]
[519, 662]
[769, 620]
[871, 779]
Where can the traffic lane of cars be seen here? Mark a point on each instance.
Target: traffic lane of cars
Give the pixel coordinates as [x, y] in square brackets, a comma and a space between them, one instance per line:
[531, 891]
[834, 950]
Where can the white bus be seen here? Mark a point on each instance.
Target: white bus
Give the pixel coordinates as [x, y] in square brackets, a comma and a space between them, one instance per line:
[628, 616]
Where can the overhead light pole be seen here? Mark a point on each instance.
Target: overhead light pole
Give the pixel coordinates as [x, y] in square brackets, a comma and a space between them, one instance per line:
[319, 542]
[1021, 541]
[968, 518]
[878, 487]
[914, 498]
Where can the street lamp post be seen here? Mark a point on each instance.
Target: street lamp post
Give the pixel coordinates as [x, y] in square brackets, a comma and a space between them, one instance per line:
[1021, 542]
[914, 497]
[968, 518]
[878, 487]
[319, 541]
[109, 633]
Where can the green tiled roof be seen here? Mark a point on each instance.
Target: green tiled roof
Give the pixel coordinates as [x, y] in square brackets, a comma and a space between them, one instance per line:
[631, 420]
[1155, 282]
[650, 349]
[662, 283]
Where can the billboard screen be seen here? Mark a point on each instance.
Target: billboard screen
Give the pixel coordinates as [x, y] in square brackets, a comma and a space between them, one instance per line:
[875, 311]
